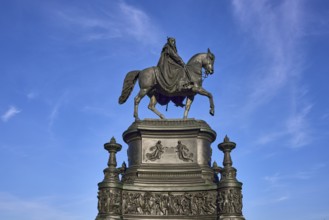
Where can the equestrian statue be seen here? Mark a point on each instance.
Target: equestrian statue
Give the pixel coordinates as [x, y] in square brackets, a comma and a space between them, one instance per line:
[171, 80]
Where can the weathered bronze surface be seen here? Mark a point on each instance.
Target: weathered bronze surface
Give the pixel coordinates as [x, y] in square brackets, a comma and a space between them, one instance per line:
[169, 175]
[171, 80]
[229, 188]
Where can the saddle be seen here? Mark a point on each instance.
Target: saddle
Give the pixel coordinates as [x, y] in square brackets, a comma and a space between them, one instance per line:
[168, 88]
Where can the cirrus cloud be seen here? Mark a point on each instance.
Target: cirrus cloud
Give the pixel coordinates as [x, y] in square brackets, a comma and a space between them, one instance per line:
[115, 20]
[10, 113]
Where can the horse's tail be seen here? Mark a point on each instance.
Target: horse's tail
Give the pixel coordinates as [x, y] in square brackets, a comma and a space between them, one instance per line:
[128, 85]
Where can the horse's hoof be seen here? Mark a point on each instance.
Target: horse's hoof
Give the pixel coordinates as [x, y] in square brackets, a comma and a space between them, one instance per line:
[212, 112]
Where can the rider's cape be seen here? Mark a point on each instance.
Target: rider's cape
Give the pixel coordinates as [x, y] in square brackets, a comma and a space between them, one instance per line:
[171, 76]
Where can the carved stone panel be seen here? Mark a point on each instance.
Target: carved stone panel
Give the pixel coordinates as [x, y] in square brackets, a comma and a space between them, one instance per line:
[168, 151]
[201, 203]
[230, 201]
[155, 152]
[109, 201]
[183, 152]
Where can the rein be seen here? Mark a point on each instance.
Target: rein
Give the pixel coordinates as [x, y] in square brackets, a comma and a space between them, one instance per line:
[204, 75]
[203, 72]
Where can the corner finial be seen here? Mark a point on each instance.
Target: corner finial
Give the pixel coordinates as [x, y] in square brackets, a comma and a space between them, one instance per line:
[226, 139]
[113, 141]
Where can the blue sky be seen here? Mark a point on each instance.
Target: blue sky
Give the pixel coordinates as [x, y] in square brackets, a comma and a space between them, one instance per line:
[61, 73]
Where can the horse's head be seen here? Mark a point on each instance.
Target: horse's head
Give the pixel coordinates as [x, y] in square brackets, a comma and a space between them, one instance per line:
[199, 61]
[208, 63]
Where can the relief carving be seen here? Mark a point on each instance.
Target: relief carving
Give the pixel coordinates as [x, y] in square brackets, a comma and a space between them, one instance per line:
[109, 201]
[156, 152]
[230, 201]
[164, 204]
[183, 152]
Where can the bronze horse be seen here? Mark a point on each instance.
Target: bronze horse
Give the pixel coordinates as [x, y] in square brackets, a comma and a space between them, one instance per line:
[149, 85]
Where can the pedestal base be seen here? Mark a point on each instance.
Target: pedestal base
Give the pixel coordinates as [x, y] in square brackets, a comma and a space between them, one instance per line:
[169, 175]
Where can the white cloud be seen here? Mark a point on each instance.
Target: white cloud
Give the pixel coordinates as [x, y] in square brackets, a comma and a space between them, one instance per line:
[325, 116]
[282, 198]
[11, 112]
[277, 28]
[269, 137]
[98, 111]
[276, 180]
[116, 20]
[295, 132]
[138, 24]
[277, 31]
[55, 110]
[298, 128]
[12, 207]
[31, 95]
[53, 114]
[281, 180]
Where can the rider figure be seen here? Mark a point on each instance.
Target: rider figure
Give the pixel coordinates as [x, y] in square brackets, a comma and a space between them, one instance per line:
[169, 52]
[172, 66]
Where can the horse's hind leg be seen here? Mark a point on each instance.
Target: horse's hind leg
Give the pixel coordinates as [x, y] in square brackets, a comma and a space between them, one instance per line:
[138, 98]
[189, 101]
[151, 106]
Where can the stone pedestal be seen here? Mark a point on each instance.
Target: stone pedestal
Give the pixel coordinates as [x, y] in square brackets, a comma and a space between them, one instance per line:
[169, 175]
[169, 155]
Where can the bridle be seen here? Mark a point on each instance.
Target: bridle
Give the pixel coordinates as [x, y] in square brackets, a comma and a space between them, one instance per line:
[205, 73]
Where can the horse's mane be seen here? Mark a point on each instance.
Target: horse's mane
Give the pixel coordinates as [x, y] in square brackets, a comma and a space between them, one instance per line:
[191, 60]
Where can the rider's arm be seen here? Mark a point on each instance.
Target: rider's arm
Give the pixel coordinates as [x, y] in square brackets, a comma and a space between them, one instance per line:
[176, 57]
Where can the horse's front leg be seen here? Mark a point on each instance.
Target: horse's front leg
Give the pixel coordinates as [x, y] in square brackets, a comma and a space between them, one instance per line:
[204, 92]
[189, 101]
